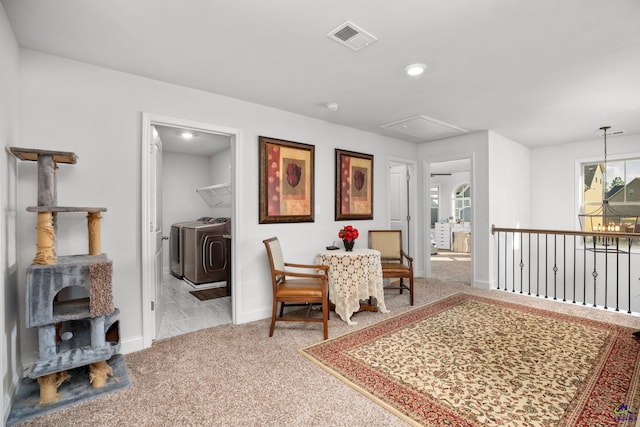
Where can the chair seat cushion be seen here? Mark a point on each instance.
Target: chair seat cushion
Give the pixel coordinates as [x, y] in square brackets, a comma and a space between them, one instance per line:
[395, 268]
[300, 288]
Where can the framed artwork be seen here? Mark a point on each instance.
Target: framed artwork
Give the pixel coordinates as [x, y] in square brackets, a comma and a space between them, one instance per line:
[354, 185]
[286, 181]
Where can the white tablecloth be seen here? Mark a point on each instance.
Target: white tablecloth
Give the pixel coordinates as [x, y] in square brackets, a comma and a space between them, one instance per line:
[353, 276]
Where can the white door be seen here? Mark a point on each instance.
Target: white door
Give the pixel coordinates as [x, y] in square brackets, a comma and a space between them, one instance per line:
[156, 224]
[399, 217]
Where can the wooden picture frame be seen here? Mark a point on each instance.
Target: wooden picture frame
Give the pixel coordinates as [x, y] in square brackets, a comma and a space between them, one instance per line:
[354, 185]
[286, 181]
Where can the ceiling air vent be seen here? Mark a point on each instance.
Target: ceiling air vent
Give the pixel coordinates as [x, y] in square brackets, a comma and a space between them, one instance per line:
[352, 36]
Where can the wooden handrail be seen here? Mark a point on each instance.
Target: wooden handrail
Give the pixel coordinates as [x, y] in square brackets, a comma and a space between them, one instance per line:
[611, 234]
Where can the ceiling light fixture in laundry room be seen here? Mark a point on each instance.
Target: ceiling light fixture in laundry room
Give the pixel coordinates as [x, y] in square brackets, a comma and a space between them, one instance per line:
[415, 70]
[332, 106]
[186, 135]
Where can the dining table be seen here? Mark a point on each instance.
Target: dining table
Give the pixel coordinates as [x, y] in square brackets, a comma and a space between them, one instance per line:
[354, 276]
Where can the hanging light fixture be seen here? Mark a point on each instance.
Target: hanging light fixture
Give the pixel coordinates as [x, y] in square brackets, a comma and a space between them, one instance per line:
[605, 218]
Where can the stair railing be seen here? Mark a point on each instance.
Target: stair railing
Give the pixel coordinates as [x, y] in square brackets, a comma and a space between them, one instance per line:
[601, 269]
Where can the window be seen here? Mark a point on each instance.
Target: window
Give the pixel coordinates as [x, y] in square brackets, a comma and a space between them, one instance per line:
[623, 182]
[620, 184]
[462, 203]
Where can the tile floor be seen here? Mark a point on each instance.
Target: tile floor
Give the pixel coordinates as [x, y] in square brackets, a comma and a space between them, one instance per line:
[185, 313]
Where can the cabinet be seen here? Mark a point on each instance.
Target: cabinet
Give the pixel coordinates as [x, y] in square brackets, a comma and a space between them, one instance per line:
[443, 235]
[456, 237]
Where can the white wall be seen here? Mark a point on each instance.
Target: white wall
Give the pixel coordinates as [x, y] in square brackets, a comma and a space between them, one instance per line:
[509, 182]
[9, 326]
[220, 174]
[95, 112]
[181, 175]
[221, 167]
[509, 187]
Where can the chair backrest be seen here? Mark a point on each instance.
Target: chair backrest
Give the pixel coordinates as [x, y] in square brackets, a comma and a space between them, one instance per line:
[276, 260]
[388, 242]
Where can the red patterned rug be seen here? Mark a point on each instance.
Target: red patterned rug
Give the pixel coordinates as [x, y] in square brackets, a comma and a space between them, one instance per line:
[472, 361]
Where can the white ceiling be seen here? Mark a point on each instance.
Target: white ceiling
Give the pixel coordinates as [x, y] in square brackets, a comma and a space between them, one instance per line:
[538, 72]
[201, 143]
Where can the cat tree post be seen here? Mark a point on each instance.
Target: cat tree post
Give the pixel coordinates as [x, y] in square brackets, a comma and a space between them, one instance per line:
[98, 373]
[49, 387]
[45, 238]
[47, 196]
[47, 192]
[93, 223]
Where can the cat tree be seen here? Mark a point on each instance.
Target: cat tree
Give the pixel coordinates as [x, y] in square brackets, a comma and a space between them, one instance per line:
[68, 298]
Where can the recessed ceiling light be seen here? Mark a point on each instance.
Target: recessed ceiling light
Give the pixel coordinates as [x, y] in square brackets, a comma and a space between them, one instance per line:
[187, 135]
[414, 70]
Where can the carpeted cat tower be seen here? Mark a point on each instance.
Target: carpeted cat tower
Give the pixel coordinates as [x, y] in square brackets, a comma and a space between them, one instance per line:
[69, 300]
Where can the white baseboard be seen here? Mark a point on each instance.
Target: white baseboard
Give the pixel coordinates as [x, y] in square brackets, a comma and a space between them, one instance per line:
[253, 316]
[131, 345]
[482, 284]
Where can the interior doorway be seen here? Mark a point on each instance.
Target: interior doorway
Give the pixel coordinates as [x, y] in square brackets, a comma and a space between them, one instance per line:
[174, 169]
[450, 212]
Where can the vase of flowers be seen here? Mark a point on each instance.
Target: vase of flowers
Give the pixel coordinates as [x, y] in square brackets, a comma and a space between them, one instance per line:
[348, 235]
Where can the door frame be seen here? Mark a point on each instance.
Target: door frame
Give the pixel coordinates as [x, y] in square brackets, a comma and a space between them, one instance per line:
[427, 209]
[147, 235]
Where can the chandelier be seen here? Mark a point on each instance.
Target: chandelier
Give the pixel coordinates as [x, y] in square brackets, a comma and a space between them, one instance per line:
[605, 218]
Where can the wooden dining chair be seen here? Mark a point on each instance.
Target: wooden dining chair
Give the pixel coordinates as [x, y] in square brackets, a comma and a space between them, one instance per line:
[297, 287]
[395, 261]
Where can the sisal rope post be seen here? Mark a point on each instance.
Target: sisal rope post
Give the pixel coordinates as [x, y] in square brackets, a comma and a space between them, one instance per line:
[98, 373]
[93, 223]
[46, 236]
[49, 387]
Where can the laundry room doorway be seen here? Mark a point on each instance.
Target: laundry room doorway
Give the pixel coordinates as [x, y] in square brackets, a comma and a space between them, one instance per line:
[187, 216]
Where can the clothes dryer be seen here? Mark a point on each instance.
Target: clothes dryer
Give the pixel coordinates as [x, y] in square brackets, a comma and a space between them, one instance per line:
[206, 256]
[176, 248]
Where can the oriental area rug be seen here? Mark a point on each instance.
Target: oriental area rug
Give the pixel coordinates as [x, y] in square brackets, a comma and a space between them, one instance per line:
[472, 361]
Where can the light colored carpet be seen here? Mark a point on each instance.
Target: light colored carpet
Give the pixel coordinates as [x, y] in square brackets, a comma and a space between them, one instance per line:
[235, 375]
[451, 267]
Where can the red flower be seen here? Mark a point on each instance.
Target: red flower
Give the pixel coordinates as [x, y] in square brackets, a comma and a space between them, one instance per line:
[348, 233]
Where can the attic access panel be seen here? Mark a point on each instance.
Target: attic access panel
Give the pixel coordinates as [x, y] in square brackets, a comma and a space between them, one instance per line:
[423, 127]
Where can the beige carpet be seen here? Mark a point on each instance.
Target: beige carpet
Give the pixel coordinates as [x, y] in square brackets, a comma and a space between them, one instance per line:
[451, 267]
[235, 375]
